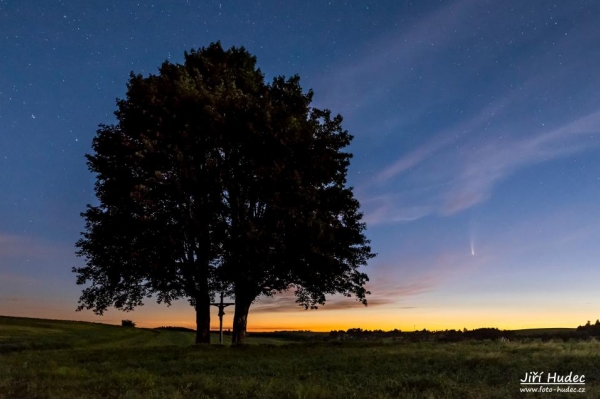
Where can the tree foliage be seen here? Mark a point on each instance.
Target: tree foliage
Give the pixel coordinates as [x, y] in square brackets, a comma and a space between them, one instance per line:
[293, 222]
[212, 178]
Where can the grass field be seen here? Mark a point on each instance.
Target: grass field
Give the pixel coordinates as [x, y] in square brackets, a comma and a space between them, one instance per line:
[60, 359]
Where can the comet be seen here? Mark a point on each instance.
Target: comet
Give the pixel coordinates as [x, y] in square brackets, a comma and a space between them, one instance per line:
[472, 228]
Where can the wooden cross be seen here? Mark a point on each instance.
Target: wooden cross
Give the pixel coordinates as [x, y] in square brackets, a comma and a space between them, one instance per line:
[221, 306]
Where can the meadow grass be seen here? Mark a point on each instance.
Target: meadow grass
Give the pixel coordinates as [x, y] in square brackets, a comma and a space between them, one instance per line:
[57, 359]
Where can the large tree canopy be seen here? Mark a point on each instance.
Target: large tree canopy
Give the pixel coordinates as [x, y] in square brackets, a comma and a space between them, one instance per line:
[212, 178]
[292, 222]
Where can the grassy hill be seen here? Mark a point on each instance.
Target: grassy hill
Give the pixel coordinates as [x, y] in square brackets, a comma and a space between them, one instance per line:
[61, 359]
[39, 334]
[20, 333]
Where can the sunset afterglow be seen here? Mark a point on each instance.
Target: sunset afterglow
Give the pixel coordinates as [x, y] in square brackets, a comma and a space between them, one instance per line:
[476, 149]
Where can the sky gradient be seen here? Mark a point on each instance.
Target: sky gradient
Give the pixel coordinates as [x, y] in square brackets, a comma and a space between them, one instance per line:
[476, 149]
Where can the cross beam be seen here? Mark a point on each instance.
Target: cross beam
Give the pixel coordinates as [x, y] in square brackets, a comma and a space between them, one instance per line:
[221, 305]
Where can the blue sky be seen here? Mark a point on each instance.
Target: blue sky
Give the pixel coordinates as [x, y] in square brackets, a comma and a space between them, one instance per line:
[476, 146]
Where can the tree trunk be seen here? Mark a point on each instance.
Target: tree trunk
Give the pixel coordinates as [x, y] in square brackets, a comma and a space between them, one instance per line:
[202, 318]
[240, 319]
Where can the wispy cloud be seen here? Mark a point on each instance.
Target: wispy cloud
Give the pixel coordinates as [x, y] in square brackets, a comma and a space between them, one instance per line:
[440, 141]
[12, 246]
[387, 58]
[487, 165]
[463, 170]
[12, 280]
[435, 68]
[421, 274]
[388, 208]
[393, 285]
[285, 302]
[10, 299]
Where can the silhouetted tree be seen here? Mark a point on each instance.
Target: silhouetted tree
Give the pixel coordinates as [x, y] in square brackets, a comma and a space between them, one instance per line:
[159, 226]
[212, 178]
[293, 222]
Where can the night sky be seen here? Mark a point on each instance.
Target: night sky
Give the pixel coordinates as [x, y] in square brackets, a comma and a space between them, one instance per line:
[476, 150]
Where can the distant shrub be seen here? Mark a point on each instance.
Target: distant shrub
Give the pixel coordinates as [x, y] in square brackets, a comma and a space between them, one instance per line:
[127, 323]
[174, 328]
[589, 329]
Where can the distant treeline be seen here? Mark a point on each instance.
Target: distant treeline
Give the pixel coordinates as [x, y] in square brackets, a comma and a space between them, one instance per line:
[590, 329]
[357, 334]
[171, 328]
[580, 333]
[423, 335]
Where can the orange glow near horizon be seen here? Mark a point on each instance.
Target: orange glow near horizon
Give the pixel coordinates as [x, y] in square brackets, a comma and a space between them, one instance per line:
[386, 319]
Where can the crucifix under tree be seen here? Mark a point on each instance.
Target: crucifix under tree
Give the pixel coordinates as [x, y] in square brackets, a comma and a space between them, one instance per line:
[221, 306]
